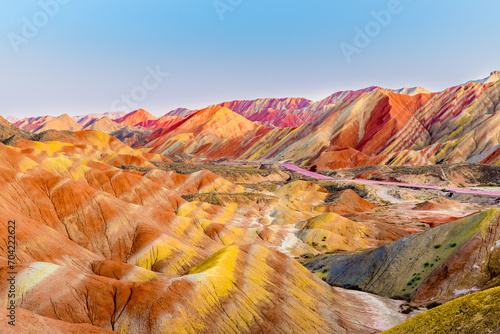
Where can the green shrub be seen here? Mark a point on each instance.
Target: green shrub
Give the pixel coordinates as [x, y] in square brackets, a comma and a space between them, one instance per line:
[437, 246]
[453, 244]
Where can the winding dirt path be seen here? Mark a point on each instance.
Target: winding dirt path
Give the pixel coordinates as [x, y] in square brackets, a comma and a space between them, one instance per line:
[323, 177]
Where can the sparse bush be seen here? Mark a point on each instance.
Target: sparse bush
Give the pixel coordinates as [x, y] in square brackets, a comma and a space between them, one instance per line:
[453, 244]
[437, 246]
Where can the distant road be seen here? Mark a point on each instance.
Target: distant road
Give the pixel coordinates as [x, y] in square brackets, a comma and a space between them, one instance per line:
[323, 177]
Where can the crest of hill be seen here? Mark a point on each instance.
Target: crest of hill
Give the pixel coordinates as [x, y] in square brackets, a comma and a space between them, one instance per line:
[218, 120]
[135, 117]
[103, 124]
[61, 123]
[12, 119]
[85, 120]
[493, 77]
[31, 123]
[410, 91]
[8, 130]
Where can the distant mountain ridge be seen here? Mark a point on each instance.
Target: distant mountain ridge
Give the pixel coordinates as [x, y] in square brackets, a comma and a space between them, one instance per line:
[370, 126]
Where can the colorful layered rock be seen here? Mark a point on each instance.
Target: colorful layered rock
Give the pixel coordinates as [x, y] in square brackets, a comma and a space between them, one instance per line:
[233, 290]
[432, 266]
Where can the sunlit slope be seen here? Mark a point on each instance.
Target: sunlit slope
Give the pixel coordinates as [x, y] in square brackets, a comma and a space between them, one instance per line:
[243, 289]
[474, 313]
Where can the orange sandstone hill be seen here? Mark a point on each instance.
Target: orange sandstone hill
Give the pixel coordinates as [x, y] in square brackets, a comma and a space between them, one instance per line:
[135, 117]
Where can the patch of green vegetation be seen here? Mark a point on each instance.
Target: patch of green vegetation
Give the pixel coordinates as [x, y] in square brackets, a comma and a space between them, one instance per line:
[437, 246]
[426, 264]
[453, 244]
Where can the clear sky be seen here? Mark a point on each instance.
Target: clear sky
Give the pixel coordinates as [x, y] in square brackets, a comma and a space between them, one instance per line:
[84, 56]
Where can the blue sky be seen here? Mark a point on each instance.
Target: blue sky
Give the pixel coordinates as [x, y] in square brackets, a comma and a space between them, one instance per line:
[86, 55]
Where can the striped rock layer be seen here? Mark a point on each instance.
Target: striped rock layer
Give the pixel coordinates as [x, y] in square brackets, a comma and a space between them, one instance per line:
[102, 248]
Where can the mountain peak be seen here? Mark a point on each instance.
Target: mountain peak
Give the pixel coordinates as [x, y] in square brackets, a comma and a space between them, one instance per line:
[103, 124]
[65, 117]
[217, 120]
[63, 122]
[493, 77]
[135, 117]
[410, 91]
[12, 119]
